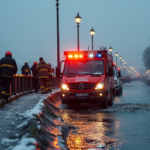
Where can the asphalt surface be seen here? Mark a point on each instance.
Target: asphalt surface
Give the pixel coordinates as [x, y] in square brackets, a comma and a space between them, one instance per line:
[125, 125]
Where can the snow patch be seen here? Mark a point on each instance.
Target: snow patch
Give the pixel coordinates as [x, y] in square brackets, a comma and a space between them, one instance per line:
[25, 123]
[36, 110]
[6, 141]
[25, 144]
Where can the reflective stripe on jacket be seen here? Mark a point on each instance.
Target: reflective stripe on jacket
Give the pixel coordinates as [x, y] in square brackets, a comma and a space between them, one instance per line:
[8, 67]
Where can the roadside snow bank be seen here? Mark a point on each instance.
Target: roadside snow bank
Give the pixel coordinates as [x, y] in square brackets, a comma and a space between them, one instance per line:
[26, 143]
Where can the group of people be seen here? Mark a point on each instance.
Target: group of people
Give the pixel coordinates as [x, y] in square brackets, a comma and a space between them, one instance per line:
[42, 73]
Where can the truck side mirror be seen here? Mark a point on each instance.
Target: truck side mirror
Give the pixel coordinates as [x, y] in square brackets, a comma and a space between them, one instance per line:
[110, 71]
[59, 71]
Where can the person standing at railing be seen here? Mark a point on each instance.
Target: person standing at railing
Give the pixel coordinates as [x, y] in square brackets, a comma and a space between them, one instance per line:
[35, 76]
[50, 77]
[8, 68]
[43, 71]
[25, 69]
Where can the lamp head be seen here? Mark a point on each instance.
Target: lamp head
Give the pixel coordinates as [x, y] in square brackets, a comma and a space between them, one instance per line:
[110, 49]
[78, 18]
[92, 31]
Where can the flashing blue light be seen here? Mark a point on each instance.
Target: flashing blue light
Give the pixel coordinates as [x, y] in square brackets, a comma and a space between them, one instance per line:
[99, 55]
[91, 55]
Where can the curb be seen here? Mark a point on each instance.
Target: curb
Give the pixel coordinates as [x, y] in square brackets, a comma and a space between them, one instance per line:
[14, 97]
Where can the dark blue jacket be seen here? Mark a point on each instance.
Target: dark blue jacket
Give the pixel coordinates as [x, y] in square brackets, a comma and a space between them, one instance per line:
[25, 69]
[8, 67]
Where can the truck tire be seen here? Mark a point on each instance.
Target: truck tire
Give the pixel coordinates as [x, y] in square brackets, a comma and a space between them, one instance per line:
[104, 104]
[110, 102]
[121, 91]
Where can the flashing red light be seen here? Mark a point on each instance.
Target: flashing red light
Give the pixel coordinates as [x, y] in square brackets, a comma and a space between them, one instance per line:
[81, 56]
[70, 56]
[118, 69]
[76, 56]
[114, 64]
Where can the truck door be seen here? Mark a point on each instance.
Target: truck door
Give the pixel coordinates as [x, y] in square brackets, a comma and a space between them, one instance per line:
[109, 79]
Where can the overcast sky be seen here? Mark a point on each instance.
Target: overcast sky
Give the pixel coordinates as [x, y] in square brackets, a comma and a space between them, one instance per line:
[28, 28]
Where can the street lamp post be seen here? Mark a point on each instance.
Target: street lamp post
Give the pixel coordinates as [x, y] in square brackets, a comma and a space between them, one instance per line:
[78, 20]
[116, 59]
[125, 68]
[92, 34]
[110, 49]
[58, 51]
[120, 63]
[122, 66]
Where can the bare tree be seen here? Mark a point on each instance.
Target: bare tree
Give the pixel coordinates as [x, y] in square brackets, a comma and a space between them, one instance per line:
[146, 57]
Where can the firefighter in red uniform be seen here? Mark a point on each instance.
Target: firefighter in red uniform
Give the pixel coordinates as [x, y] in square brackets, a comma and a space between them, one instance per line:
[8, 68]
[43, 71]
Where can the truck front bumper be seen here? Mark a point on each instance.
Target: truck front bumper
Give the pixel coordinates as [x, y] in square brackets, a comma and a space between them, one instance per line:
[93, 97]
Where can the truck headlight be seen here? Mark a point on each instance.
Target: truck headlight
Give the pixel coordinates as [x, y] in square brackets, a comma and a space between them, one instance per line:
[64, 87]
[99, 86]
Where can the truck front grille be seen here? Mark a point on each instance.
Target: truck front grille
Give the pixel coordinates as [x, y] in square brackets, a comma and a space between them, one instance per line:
[75, 86]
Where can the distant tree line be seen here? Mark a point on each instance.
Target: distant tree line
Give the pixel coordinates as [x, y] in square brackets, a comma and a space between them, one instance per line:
[146, 57]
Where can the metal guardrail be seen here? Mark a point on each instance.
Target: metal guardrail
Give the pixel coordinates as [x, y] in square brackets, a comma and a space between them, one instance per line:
[23, 83]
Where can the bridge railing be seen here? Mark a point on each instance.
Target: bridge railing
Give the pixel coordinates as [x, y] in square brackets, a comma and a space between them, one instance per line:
[23, 83]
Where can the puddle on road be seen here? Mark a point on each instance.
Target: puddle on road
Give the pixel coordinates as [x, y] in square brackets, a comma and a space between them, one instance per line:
[94, 130]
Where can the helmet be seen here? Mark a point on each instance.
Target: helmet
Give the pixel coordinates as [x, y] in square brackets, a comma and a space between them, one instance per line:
[49, 64]
[8, 53]
[35, 63]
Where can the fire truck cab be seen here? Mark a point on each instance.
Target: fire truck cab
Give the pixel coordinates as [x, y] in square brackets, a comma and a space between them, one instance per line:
[87, 77]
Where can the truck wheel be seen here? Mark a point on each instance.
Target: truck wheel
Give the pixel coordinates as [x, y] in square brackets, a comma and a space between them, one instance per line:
[110, 102]
[104, 104]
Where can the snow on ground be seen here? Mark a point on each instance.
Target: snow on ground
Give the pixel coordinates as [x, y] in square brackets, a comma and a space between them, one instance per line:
[25, 143]
[15, 116]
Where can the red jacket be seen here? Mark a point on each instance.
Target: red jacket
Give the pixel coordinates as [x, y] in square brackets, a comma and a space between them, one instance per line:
[43, 70]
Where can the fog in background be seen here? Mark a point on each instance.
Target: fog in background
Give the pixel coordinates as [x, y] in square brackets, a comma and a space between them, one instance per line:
[28, 28]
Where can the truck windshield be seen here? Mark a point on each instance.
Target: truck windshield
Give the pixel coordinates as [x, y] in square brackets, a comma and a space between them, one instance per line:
[84, 67]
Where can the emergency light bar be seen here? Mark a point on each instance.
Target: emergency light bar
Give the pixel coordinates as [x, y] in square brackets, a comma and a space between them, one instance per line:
[81, 56]
[87, 54]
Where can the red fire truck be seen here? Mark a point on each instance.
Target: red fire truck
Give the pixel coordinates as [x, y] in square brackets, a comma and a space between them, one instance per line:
[87, 77]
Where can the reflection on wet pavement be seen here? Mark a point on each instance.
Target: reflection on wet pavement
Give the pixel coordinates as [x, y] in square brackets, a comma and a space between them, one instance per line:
[94, 129]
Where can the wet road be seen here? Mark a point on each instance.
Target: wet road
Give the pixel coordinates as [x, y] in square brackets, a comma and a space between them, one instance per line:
[125, 125]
